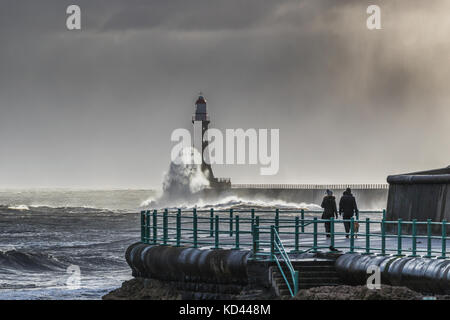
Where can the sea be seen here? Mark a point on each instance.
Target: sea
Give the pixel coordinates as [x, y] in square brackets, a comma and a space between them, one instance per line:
[70, 244]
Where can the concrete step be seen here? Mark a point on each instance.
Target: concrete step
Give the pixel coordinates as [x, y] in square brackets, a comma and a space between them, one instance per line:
[311, 273]
[306, 275]
[315, 285]
[312, 262]
[317, 274]
[313, 276]
[314, 268]
[319, 280]
[281, 282]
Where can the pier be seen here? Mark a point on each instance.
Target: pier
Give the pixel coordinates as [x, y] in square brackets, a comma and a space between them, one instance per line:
[300, 231]
[224, 253]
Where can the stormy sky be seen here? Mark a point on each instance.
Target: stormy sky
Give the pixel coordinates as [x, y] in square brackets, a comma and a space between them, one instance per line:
[95, 108]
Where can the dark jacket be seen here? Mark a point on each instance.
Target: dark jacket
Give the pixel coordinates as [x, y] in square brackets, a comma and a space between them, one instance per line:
[329, 206]
[347, 205]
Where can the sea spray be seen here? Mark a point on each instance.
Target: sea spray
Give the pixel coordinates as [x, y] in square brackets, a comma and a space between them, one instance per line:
[184, 180]
[183, 177]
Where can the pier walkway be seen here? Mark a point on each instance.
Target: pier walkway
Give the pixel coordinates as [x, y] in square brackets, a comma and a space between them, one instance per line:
[299, 231]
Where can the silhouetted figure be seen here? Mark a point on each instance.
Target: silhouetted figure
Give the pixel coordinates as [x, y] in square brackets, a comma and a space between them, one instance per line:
[329, 209]
[347, 208]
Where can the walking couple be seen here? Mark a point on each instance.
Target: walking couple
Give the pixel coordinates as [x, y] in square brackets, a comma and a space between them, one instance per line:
[347, 208]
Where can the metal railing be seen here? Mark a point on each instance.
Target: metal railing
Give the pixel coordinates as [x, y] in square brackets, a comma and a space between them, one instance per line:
[311, 186]
[298, 229]
[277, 249]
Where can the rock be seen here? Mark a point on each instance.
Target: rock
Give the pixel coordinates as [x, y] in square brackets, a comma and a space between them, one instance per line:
[345, 292]
[151, 289]
[143, 289]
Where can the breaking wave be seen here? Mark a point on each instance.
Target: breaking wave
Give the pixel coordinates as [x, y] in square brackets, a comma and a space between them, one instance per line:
[44, 209]
[184, 180]
[184, 177]
[21, 207]
[29, 261]
[235, 202]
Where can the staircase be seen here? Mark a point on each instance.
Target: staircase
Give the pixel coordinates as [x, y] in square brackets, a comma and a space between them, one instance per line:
[312, 273]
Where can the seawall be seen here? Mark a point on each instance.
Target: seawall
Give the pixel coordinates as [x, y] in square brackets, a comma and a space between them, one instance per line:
[424, 275]
[421, 196]
[232, 274]
[367, 199]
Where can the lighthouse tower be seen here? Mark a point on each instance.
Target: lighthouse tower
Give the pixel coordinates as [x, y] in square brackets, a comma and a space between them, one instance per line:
[201, 118]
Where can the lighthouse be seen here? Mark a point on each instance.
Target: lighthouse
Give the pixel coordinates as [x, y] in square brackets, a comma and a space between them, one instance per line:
[200, 122]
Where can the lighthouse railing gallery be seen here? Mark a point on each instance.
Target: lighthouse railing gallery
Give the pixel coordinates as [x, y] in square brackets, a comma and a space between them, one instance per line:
[299, 231]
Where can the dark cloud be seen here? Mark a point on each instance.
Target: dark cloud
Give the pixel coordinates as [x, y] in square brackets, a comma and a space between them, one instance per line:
[190, 15]
[96, 107]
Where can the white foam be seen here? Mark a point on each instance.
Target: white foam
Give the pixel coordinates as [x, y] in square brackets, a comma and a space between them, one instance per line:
[21, 207]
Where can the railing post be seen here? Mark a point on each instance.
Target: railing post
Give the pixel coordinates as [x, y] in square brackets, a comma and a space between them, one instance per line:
[211, 222]
[277, 220]
[367, 235]
[383, 238]
[352, 235]
[194, 227]
[399, 237]
[303, 220]
[332, 232]
[295, 282]
[143, 227]
[414, 238]
[296, 248]
[428, 239]
[314, 248]
[237, 232]
[384, 214]
[147, 226]
[272, 243]
[179, 227]
[155, 227]
[255, 234]
[216, 231]
[252, 220]
[165, 226]
[231, 222]
[443, 239]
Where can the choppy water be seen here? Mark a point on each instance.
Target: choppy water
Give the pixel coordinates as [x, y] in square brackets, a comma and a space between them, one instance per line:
[43, 233]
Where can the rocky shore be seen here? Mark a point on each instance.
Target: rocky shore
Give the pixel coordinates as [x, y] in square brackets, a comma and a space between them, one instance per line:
[345, 292]
[149, 289]
[143, 289]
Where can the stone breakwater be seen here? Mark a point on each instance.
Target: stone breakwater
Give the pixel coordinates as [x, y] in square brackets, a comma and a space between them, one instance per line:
[167, 272]
[149, 289]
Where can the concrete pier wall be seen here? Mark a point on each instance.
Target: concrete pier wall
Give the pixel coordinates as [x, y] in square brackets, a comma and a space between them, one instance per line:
[367, 199]
[421, 195]
[219, 274]
[419, 274]
[188, 264]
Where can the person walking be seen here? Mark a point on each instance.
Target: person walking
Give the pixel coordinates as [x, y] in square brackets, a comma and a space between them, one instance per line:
[347, 208]
[329, 209]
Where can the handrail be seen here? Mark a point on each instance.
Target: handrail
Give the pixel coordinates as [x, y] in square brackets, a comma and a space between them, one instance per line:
[380, 186]
[215, 229]
[277, 247]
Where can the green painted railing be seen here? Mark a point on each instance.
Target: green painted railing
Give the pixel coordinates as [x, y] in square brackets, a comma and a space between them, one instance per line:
[277, 250]
[298, 229]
